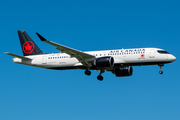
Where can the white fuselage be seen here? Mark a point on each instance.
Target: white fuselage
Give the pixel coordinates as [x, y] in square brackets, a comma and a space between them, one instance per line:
[122, 57]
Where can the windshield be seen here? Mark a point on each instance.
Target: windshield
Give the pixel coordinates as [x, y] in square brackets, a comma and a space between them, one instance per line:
[162, 52]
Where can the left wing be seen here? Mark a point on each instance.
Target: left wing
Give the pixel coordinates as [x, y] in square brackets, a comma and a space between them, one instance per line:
[84, 58]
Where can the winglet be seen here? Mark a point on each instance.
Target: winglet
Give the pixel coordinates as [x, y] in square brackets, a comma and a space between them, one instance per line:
[41, 37]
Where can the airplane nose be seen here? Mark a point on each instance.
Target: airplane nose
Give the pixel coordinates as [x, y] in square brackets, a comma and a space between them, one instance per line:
[172, 58]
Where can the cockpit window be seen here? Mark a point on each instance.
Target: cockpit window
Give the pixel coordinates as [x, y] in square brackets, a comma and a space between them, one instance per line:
[162, 52]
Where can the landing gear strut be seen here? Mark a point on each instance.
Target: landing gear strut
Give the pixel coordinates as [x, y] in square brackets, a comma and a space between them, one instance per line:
[100, 77]
[160, 66]
[87, 72]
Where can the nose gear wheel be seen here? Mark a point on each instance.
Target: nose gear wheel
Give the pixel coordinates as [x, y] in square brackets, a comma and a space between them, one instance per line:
[160, 66]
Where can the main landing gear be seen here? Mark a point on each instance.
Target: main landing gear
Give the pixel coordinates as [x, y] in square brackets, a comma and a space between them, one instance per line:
[87, 72]
[99, 77]
[160, 66]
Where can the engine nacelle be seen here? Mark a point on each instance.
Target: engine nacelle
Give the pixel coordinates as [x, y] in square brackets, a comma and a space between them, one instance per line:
[124, 71]
[104, 62]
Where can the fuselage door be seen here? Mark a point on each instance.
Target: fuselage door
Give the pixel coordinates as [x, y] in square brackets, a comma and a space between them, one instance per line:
[151, 53]
[44, 61]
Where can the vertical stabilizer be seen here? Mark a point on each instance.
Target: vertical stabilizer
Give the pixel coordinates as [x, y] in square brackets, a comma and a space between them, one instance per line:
[28, 45]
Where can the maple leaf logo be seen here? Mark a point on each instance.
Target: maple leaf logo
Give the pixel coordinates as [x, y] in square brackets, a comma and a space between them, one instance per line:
[142, 55]
[28, 47]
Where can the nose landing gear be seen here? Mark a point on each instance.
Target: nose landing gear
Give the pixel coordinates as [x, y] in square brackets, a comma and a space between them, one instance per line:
[160, 72]
[160, 66]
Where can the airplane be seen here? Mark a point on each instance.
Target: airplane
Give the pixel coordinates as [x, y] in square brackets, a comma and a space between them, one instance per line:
[119, 61]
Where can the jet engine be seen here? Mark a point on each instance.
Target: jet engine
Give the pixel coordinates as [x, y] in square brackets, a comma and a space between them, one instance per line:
[104, 62]
[124, 71]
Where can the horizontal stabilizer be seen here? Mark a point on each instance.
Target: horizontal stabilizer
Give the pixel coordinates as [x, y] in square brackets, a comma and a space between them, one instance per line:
[18, 56]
